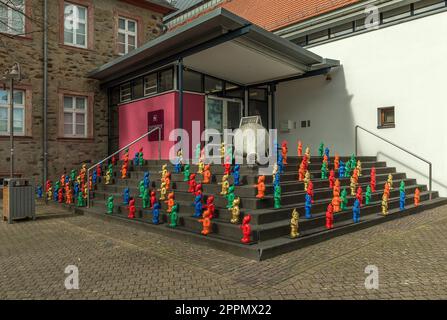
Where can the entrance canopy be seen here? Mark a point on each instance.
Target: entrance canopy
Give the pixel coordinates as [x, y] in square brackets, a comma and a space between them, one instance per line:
[219, 44]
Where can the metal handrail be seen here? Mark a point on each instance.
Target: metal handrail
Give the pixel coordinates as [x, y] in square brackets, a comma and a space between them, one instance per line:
[430, 166]
[121, 150]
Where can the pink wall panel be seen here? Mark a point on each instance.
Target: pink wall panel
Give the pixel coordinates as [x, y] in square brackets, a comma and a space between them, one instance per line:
[193, 110]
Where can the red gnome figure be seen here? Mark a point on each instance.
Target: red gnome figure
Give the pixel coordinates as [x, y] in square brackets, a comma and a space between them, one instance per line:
[60, 196]
[331, 178]
[329, 217]
[113, 161]
[227, 166]
[192, 183]
[209, 206]
[246, 229]
[300, 148]
[284, 150]
[359, 195]
[132, 209]
[373, 179]
[98, 170]
[167, 180]
[48, 185]
[310, 190]
[198, 190]
[261, 187]
[206, 223]
[153, 198]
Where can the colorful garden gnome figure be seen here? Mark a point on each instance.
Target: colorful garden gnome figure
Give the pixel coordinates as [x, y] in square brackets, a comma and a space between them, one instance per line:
[390, 181]
[368, 195]
[113, 160]
[206, 174]
[126, 196]
[140, 157]
[359, 195]
[326, 161]
[246, 229]
[336, 189]
[131, 209]
[308, 206]
[136, 159]
[153, 198]
[326, 152]
[417, 197]
[108, 177]
[186, 173]
[83, 171]
[80, 202]
[306, 180]
[341, 170]
[386, 189]
[39, 192]
[94, 177]
[146, 199]
[198, 190]
[98, 170]
[197, 152]
[192, 183]
[329, 216]
[163, 191]
[222, 150]
[277, 180]
[344, 199]
[156, 213]
[164, 171]
[336, 162]
[284, 150]
[356, 211]
[174, 216]
[294, 224]
[124, 171]
[331, 178]
[200, 167]
[48, 185]
[198, 207]
[235, 211]
[73, 175]
[50, 193]
[60, 196]
[236, 175]
[274, 170]
[402, 200]
[301, 171]
[402, 186]
[348, 169]
[300, 149]
[227, 167]
[225, 185]
[373, 179]
[359, 168]
[321, 149]
[310, 190]
[146, 179]
[170, 202]
[280, 164]
[353, 185]
[307, 154]
[141, 188]
[230, 197]
[76, 188]
[324, 171]
[167, 180]
[206, 223]
[384, 204]
[110, 205]
[68, 194]
[336, 203]
[210, 206]
[260, 187]
[277, 197]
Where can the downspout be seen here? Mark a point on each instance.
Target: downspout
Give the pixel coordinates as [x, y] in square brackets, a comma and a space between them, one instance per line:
[45, 96]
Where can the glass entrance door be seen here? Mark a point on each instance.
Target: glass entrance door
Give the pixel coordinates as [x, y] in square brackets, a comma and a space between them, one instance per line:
[221, 113]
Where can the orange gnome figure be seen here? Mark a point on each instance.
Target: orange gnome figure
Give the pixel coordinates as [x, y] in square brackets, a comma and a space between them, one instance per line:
[386, 190]
[261, 187]
[170, 202]
[124, 171]
[206, 174]
[68, 194]
[301, 171]
[417, 197]
[300, 148]
[284, 150]
[206, 223]
[336, 202]
[336, 162]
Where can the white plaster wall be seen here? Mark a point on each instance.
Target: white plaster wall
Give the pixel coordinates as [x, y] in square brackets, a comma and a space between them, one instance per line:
[403, 66]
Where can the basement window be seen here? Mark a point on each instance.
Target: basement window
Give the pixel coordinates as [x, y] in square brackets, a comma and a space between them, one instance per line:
[386, 118]
[428, 5]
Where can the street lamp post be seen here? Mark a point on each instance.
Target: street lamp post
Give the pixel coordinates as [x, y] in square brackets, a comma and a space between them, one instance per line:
[11, 75]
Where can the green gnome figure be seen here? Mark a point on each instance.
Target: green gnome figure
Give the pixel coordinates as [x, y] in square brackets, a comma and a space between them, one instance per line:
[174, 216]
[81, 200]
[141, 188]
[277, 197]
[230, 197]
[368, 195]
[110, 205]
[186, 173]
[321, 149]
[324, 171]
[146, 203]
[344, 199]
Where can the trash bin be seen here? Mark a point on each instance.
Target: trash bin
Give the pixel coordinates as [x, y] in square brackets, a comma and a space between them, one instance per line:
[18, 199]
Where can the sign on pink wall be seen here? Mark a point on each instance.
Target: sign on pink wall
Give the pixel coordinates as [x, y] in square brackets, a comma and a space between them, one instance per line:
[156, 119]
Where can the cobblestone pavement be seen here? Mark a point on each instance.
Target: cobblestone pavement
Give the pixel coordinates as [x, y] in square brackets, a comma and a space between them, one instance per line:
[117, 261]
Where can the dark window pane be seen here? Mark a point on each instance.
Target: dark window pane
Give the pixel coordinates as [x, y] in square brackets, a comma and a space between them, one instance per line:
[427, 5]
[301, 41]
[115, 98]
[213, 85]
[259, 108]
[192, 81]
[396, 14]
[342, 30]
[137, 89]
[258, 94]
[318, 36]
[237, 93]
[166, 80]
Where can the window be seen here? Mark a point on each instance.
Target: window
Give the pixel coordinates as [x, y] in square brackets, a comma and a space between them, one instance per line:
[19, 112]
[166, 80]
[396, 14]
[342, 30]
[137, 89]
[75, 25]
[150, 84]
[213, 85]
[12, 16]
[386, 117]
[318, 36]
[125, 92]
[192, 81]
[75, 116]
[127, 35]
[301, 41]
[427, 5]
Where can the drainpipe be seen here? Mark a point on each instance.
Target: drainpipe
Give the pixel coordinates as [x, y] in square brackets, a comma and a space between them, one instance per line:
[45, 96]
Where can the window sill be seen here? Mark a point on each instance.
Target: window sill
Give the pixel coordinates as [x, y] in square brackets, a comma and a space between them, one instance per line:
[17, 138]
[388, 126]
[73, 139]
[74, 48]
[14, 36]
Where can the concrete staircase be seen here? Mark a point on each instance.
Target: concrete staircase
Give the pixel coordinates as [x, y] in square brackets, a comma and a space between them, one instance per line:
[271, 227]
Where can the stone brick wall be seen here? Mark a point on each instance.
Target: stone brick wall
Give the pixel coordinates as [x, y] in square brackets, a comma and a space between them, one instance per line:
[67, 70]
